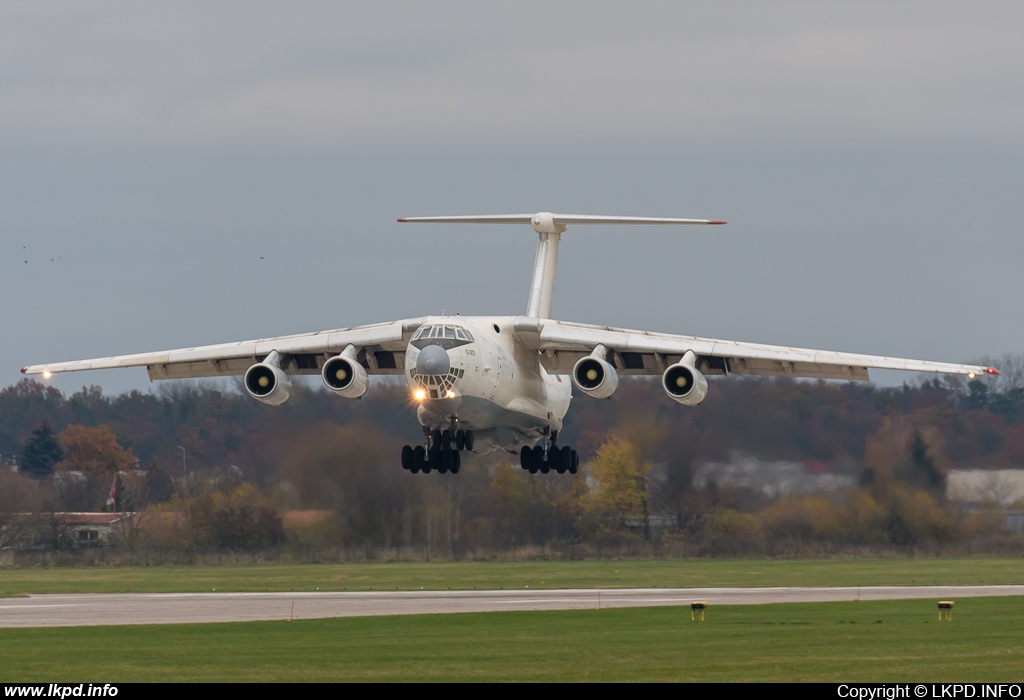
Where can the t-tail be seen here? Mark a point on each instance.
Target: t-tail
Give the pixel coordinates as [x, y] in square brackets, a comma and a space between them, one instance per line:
[549, 228]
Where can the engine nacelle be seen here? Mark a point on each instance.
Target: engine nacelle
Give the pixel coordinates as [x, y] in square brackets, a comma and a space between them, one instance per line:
[345, 377]
[595, 377]
[685, 384]
[268, 383]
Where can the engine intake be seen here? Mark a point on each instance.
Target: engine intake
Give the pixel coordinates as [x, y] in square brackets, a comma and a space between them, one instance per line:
[684, 383]
[267, 382]
[595, 377]
[345, 377]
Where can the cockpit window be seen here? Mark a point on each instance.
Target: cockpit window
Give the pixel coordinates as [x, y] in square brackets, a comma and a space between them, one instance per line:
[443, 331]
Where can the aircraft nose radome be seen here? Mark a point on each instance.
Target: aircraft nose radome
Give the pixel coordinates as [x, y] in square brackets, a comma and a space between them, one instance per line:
[433, 360]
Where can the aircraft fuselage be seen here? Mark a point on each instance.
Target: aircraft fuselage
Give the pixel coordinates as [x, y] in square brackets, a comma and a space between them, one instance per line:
[472, 373]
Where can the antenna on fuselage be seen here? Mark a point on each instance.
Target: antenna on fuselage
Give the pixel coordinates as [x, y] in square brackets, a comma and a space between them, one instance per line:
[550, 228]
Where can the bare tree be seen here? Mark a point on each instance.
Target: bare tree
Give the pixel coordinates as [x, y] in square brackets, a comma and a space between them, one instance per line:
[20, 496]
[128, 532]
[1011, 366]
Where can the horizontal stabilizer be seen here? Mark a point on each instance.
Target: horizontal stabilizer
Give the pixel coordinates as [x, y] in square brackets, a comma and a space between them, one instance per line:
[546, 222]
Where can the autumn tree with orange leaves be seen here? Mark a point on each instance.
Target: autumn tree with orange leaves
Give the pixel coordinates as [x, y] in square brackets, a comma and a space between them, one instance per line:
[93, 451]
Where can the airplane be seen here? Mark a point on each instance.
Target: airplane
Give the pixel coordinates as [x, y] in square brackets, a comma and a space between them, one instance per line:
[490, 383]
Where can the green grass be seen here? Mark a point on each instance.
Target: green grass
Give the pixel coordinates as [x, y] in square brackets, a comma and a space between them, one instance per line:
[495, 575]
[852, 641]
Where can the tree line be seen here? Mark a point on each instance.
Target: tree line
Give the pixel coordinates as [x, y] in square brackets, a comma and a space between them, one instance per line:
[210, 470]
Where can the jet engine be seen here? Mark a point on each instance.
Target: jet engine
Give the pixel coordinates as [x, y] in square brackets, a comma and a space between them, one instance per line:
[594, 376]
[684, 383]
[267, 382]
[345, 377]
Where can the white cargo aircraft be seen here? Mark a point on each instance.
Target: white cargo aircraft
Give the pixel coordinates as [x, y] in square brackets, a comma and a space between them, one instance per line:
[496, 382]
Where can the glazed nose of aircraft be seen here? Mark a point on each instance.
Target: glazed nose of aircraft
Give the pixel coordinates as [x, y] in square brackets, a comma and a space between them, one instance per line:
[433, 360]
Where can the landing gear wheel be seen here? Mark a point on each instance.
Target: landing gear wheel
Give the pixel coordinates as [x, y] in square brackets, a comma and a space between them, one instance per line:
[553, 457]
[574, 465]
[525, 458]
[460, 440]
[564, 460]
[537, 461]
[456, 463]
[469, 440]
[435, 440]
[419, 459]
[407, 458]
[446, 441]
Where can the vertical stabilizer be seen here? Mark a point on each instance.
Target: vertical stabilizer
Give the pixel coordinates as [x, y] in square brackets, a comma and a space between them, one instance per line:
[542, 286]
[545, 265]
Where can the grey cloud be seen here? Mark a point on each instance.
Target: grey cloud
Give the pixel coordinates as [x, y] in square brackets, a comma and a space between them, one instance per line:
[399, 74]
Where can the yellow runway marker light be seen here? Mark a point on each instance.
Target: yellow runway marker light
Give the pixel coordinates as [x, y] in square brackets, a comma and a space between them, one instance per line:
[946, 610]
[697, 610]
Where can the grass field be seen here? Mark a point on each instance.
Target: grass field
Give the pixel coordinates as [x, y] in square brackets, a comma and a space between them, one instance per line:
[852, 641]
[495, 575]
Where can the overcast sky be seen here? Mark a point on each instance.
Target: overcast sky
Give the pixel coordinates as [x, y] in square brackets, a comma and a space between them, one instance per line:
[174, 174]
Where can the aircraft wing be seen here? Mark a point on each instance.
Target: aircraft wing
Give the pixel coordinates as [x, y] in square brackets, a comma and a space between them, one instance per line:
[643, 353]
[381, 351]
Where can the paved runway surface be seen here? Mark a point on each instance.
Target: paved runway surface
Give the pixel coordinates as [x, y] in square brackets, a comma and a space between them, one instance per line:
[166, 608]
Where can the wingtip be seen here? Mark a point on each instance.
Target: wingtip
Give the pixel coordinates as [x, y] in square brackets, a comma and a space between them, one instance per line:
[716, 222]
[23, 370]
[401, 219]
[993, 370]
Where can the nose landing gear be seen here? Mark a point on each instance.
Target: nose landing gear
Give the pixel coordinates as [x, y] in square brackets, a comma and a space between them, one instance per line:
[441, 453]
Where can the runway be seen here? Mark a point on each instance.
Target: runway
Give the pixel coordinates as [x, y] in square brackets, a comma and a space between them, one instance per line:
[169, 608]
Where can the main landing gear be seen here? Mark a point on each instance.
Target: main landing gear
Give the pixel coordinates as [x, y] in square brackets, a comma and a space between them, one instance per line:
[442, 453]
[547, 457]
